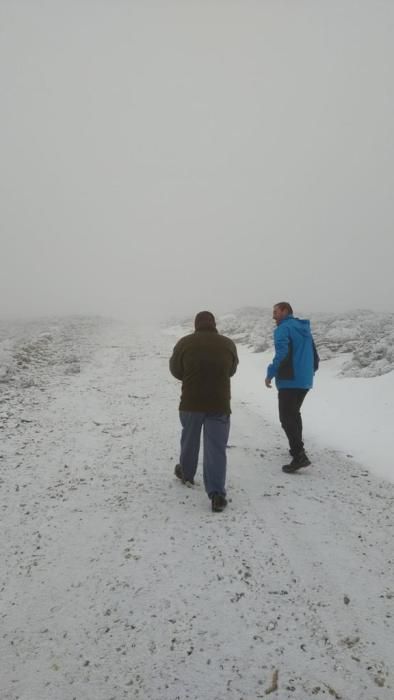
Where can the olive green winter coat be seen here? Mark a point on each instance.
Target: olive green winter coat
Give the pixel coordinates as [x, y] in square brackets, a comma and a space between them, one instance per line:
[204, 361]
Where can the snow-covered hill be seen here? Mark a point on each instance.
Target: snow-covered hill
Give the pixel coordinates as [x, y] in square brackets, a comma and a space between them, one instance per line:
[32, 351]
[367, 336]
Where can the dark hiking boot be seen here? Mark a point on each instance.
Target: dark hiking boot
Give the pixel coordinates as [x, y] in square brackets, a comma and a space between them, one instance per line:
[178, 471]
[298, 462]
[219, 503]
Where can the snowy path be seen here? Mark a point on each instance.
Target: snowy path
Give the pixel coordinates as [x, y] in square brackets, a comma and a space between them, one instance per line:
[118, 582]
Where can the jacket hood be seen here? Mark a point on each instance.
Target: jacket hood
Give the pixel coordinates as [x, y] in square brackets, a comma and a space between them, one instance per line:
[300, 325]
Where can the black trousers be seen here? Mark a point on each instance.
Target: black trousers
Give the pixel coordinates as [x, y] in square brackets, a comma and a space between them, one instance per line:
[290, 402]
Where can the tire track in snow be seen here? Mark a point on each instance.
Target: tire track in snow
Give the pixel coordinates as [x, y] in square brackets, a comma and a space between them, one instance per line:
[320, 538]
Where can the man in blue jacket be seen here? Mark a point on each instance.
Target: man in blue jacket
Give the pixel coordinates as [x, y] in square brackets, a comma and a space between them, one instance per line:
[293, 367]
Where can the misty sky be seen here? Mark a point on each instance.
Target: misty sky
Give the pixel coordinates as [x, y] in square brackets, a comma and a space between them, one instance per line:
[168, 156]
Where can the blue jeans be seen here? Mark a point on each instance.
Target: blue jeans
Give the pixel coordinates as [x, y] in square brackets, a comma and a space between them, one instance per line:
[216, 432]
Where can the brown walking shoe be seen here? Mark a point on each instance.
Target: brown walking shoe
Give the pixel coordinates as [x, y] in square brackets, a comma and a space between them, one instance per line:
[219, 503]
[178, 471]
[298, 462]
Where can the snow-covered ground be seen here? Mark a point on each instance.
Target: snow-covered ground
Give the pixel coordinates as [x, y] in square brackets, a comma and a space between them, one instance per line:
[355, 416]
[118, 582]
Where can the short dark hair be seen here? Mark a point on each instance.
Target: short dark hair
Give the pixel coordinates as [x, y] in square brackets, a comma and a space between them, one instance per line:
[284, 306]
[203, 320]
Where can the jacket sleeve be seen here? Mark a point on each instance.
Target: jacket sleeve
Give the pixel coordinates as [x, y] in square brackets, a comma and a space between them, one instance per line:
[235, 361]
[316, 358]
[281, 341]
[176, 364]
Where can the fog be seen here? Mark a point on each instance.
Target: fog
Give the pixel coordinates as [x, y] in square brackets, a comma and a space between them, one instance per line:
[162, 157]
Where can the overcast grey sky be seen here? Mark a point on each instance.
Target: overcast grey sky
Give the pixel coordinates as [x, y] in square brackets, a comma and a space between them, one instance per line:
[173, 155]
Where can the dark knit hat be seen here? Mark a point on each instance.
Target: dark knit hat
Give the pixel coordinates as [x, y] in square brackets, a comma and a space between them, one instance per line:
[205, 321]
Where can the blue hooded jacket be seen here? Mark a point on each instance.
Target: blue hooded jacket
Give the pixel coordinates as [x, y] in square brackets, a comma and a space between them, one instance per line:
[296, 358]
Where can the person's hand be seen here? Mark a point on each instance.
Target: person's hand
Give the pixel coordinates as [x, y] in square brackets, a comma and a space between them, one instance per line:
[268, 383]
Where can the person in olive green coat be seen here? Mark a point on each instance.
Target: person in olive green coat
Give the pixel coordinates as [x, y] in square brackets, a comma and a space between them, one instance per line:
[204, 361]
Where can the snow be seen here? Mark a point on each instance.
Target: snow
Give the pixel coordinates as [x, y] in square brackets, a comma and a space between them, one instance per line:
[354, 416]
[117, 580]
